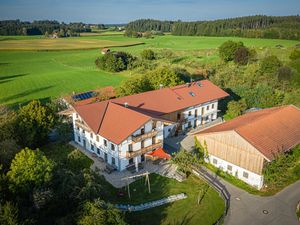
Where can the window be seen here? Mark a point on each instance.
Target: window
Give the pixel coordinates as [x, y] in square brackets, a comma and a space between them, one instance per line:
[83, 131]
[213, 106]
[78, 138]
[91, 135]
[112, 146]
[113, 161]
[98, 151]
[229, 167]
[190, 113]
[105, 142]
[130, 161]
[189, 124]
[207, 107]
[77, 128]
[92, 147]
[178, 116]
[215, 161]
[97, 138]
[196, 113]
[143, 130]
[76, 115]
[153, 124]
[153, 140]
[142, 144]
[245, 174]
[130, 147]
[202, 110]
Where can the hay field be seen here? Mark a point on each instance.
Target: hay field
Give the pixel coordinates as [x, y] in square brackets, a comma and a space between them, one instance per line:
[47, 44]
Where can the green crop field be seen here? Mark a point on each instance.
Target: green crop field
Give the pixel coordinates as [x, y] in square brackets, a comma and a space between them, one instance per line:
[27, 75]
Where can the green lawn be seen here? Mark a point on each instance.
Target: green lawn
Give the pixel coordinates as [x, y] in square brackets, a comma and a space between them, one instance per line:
[41, 75]
[186, 211]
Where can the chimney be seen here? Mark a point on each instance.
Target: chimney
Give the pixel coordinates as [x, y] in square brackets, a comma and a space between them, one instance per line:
[161, 86]
[126, 104]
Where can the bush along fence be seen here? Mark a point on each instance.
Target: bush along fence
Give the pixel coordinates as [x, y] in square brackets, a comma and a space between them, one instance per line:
[148, 205]
[218, 186]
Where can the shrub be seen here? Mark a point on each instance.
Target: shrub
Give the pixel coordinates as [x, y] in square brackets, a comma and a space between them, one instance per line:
[8, 214]
[77, 161]
[295, 54]
[148, 54]
[270, 64]
[235, 109]
[241, 56]
[227, 50]
[115, 61]
[284, 73]
[99, 212]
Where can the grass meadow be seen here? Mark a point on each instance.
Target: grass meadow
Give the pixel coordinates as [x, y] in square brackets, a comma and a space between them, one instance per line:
[53, 67]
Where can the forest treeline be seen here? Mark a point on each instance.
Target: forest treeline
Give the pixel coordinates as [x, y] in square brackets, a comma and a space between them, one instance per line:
[283, 27]
[17, 27]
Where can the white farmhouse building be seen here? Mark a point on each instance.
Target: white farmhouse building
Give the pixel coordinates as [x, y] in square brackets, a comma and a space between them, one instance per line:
[243, 146]
[124, 130]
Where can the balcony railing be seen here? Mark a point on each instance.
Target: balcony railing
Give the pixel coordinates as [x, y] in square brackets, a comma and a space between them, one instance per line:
[141, 137]
[82, 125]
[143, 150]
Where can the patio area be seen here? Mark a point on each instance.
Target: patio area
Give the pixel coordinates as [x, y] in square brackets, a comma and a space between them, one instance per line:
[161, 167]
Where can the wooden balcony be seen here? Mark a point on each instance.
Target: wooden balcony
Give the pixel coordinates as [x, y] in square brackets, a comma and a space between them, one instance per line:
[143, 150]
[82, 125]
[141, 137]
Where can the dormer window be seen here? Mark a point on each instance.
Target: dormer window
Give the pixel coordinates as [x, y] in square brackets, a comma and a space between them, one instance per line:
[192, 94]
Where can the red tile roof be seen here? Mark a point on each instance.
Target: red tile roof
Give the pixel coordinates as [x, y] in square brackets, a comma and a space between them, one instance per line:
[169, 100]
[112, 120]
[271, 131]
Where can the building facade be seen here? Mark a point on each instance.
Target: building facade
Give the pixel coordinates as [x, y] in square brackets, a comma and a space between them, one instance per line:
[122, 131]
[244, 145]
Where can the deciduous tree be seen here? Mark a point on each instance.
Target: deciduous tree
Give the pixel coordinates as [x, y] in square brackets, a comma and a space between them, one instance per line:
[29, 169]
[34, 122]
[100, 213]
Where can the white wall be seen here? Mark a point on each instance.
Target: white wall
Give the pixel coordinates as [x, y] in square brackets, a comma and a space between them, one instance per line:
[253, 179]
[119, 154]
[209, 113]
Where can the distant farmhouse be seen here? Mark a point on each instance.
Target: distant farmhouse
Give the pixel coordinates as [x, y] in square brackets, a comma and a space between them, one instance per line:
[243, 145]
[124, 131]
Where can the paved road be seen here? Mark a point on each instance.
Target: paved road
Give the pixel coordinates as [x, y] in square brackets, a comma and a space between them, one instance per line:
[247, 209]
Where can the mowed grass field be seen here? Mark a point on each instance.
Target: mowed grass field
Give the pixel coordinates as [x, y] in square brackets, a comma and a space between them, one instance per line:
[39, 74]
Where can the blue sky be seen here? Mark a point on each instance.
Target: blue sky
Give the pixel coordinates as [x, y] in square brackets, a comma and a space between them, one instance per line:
[118, 11]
